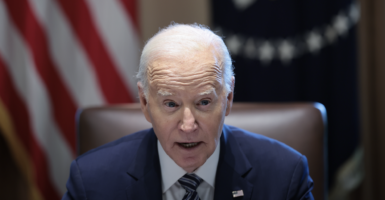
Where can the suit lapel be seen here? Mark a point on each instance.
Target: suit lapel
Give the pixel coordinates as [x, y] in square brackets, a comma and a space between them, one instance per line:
[232, 170]
[145, 171]
[233, 167]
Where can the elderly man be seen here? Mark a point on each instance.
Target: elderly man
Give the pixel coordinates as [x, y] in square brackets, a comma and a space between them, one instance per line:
[186, 88]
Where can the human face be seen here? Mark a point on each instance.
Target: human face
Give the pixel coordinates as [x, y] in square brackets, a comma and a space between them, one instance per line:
[186, 105]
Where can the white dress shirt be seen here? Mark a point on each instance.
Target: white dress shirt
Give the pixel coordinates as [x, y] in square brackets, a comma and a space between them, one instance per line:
[171, 172]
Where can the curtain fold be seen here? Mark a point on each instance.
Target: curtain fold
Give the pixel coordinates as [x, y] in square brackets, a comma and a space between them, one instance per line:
[372, 82]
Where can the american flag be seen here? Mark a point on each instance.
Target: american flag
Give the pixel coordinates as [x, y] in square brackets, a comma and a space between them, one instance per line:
[57, 56]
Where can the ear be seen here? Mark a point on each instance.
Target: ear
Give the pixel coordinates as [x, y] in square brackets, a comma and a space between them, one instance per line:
[230, 96]
[143, 102]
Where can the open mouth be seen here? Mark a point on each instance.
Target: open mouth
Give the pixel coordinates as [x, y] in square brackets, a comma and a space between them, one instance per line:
[189, 145]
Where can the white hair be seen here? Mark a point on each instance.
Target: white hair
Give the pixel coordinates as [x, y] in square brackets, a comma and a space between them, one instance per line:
[179, 41]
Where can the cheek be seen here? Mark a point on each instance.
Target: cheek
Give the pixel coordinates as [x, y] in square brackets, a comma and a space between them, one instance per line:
[212, 122]
[164, 125]
[155, 112]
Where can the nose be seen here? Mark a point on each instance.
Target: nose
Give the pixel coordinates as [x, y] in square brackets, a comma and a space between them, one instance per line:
[188, 122]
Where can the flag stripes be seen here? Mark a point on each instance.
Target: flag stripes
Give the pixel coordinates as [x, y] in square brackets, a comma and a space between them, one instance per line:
[18, 151]
[19, 115]
[99, 56]
[69, 56]
[122, 51]
[130, 6]
[23, 18]
[49, 141]
[57, 56]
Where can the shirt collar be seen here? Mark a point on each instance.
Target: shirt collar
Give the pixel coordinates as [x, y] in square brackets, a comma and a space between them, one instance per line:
[171, 172]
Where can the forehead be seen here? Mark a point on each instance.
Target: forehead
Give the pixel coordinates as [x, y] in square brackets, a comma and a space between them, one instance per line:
[194, 71]
[183, 65]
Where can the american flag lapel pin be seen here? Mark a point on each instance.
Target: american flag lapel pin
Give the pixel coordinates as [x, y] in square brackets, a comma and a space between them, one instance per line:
[238, 193]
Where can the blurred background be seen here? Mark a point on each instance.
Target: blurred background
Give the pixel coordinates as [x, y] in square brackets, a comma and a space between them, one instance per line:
[60, 55]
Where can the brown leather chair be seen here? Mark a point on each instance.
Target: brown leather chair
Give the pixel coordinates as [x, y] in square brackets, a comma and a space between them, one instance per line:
[299, 125]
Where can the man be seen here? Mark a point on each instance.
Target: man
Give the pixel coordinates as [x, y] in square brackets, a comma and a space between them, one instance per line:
[186, 88]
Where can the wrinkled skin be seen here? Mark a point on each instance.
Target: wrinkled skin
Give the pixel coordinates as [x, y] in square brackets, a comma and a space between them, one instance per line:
[187, 103]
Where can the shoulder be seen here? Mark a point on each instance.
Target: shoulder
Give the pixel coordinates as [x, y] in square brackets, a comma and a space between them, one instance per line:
[266, 154]
[124, 148]
[274, 164]
[101, 173]
[256, 144]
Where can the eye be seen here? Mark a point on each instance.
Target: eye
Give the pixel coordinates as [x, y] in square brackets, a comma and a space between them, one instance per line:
[171, 104]
[204, 102]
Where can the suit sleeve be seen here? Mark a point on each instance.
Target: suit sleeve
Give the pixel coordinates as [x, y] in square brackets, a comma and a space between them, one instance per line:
[75, 187]
[301, 182]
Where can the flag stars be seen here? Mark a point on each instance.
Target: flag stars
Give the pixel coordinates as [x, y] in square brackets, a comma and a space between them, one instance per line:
[314, 41]
[250, 49]
[243, 4]
[234, 44]
[341, 24]
[266, 52]
[331, 34]
[354, 13]
[286, 51]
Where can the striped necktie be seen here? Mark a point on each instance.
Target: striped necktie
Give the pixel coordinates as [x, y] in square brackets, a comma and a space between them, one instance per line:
[190, 183]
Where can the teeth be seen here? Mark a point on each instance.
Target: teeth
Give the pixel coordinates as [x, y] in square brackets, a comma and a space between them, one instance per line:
[189, 145]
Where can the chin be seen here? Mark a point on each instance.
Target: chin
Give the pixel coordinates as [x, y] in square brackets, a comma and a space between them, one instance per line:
[190, 165]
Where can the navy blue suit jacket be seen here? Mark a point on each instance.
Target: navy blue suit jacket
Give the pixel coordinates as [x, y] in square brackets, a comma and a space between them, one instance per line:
[129, 168]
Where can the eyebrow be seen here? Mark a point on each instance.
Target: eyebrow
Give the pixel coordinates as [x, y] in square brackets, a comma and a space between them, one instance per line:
[164, 93]
[209, 91]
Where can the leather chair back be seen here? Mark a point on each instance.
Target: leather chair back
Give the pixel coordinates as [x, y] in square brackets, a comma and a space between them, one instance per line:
[299, 125]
